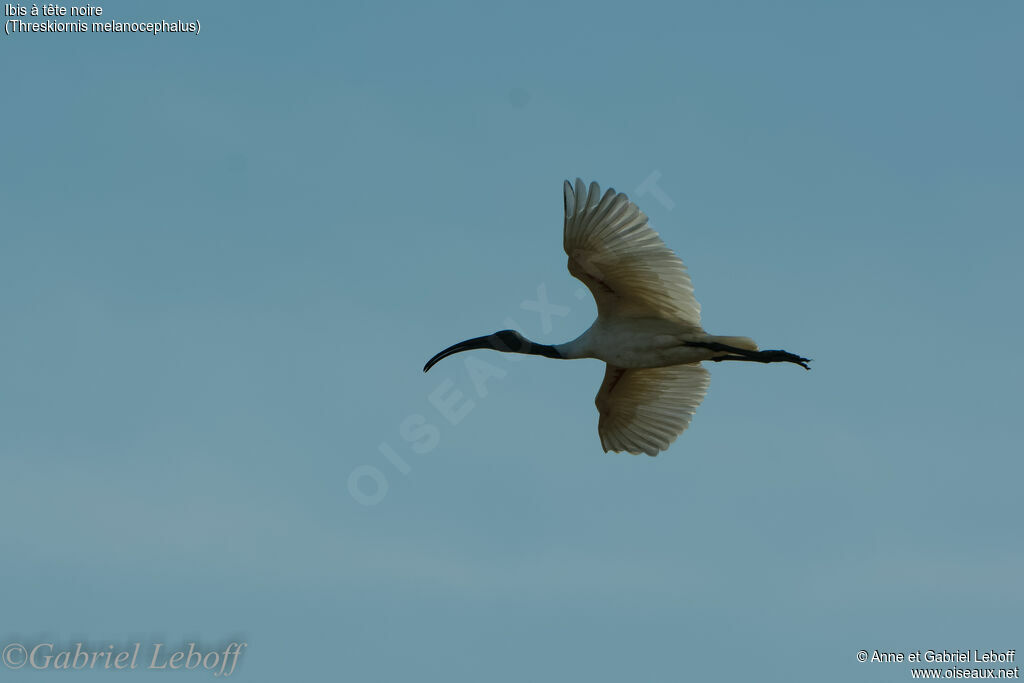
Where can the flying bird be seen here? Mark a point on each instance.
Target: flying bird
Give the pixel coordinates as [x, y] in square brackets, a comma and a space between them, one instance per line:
[647, 331]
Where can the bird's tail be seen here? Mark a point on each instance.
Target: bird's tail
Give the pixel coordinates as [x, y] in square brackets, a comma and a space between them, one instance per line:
[745, 343]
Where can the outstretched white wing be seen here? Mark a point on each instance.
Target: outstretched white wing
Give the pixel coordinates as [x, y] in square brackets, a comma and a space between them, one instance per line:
[622, 260]
[644, 410]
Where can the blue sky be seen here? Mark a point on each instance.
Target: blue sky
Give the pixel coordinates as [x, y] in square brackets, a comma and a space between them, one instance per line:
[225, 258]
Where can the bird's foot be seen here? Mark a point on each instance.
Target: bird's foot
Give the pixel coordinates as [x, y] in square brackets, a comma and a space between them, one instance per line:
[780, 356]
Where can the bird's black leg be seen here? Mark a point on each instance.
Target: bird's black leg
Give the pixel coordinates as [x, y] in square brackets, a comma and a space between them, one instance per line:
[780, 356]
[767, 356]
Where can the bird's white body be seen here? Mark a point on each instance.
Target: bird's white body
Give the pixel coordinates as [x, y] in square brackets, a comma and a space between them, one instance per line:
[641, 343]
[648, 328]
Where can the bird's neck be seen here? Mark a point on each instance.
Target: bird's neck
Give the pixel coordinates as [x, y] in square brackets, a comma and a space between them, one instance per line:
[576, 348]
[546, 350]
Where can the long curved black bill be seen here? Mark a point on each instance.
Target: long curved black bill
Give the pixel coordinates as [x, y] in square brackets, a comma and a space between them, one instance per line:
[486, 342]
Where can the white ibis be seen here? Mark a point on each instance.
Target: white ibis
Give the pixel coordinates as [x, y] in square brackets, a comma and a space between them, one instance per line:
[647, 329]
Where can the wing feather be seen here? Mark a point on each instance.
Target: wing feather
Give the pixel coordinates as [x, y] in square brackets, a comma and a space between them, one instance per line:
[644, 410]
[622, 260]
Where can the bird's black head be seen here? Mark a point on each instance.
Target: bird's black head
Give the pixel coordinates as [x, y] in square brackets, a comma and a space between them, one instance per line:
[509, 341]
